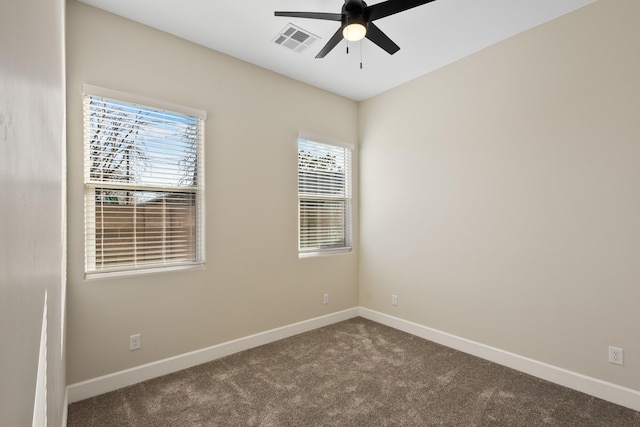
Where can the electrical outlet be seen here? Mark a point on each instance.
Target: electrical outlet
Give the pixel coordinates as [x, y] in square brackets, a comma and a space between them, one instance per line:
[616, 355]
[134, 342]
[326, 298]
[394, 299]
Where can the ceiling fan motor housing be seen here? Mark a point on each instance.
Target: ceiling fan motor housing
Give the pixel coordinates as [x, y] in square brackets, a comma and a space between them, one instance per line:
[354, 12]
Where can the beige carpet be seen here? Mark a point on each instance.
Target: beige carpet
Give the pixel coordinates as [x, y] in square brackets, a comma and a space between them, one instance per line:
[354, 373]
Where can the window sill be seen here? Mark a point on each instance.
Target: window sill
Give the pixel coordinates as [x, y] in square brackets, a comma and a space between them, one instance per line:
[326, 252]
[141, 271]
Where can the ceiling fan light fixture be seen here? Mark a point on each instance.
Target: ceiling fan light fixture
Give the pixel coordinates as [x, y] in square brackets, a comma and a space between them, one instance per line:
[356, 22]
[354, 32]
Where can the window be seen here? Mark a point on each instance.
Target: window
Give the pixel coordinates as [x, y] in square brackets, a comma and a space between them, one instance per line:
[324, 197]
[144, 183]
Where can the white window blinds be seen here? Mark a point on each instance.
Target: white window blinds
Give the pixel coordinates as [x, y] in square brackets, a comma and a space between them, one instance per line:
[144, 186]
[324, 197]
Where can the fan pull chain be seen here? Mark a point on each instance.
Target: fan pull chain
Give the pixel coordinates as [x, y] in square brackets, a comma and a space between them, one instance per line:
[360, 51]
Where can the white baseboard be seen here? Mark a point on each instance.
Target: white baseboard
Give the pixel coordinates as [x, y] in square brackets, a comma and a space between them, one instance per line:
[592, 386]
[604, 390]
[117, 380]
[65, 407]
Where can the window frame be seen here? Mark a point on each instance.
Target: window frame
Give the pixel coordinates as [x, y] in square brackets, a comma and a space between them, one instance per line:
[91, 186]
[348, 197]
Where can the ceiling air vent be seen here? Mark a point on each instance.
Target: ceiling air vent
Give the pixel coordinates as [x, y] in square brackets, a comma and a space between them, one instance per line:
[295, 38]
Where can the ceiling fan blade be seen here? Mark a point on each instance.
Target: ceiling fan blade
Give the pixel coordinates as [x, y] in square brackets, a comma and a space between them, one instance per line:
[312, 15]
[333, 41]
[391, 7]
[376, 35]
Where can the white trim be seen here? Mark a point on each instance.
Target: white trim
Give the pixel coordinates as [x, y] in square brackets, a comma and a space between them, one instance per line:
[585, 384]
[325, 140]
[117, 380]
[88, 89]
[97, 275]
[602, 389]
[65, 407]
[325, 252]
[40, 394]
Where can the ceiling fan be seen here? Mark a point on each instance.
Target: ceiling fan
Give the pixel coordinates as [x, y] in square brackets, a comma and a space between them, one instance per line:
[356, 22]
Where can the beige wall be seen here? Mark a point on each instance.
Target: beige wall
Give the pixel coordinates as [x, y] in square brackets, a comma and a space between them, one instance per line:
[253, 279]
[500, 195]
[32, 207]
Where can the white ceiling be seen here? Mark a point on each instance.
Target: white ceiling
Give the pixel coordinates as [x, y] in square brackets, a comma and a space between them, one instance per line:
[430, 36]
